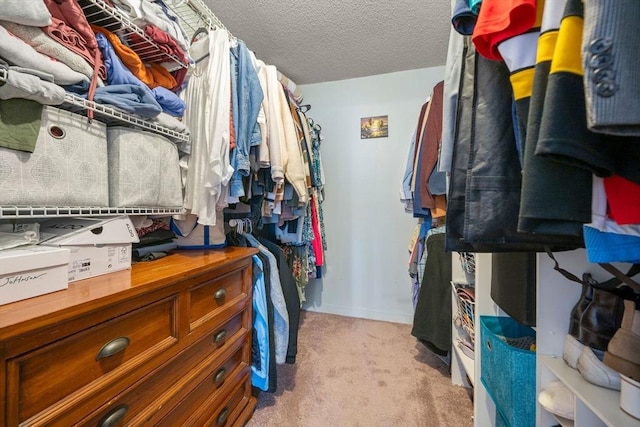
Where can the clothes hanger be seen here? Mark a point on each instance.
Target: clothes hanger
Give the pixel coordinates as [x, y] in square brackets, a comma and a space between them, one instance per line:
[199, 32]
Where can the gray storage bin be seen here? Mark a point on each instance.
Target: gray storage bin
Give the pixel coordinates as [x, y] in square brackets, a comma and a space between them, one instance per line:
[67, 168]
[144, 169]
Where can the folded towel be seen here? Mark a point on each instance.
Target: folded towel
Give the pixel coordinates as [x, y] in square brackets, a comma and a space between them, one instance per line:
[20, 124]
[27, 86]
[30, 12]
[19, 53]
[41, 42]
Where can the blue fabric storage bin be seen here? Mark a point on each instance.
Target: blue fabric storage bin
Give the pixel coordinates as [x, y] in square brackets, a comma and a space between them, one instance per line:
[508, 373]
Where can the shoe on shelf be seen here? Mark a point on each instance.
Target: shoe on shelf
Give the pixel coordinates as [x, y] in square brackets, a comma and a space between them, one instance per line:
[557, 399]
[572, 350]
[623, 352]
[576, 312]
[601, 319]
[630, 396]
[595, 371]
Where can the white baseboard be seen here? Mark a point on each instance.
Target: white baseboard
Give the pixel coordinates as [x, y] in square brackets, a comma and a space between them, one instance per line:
[362, 313]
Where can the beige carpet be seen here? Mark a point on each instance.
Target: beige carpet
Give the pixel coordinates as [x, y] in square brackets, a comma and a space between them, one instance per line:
[357, 372]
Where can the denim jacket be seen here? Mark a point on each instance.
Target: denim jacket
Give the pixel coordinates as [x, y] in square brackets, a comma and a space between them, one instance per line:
[246, 101]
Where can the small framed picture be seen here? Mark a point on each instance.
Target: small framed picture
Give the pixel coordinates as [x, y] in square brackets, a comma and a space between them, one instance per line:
[374, 127]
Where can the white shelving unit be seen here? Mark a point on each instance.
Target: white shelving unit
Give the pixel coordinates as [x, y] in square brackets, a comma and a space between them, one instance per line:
[462, 366]
[594, 406]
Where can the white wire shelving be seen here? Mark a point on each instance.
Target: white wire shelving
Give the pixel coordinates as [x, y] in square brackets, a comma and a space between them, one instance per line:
[193, 15]
[111, 115]
[17, 212]
[98, 12]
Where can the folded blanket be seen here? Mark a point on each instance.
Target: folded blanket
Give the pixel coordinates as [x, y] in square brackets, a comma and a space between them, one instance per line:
[27, 86]
[172, 123]
[169, 101]
[152, 76]
[19, 53]
[39, 74]
[130, 98]
[30, 12]
[41, 42]
[70, 27]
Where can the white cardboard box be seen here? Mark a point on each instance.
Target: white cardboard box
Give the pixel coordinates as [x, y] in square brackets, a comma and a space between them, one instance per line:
[32, 271]
[97, 245]
[89, 261]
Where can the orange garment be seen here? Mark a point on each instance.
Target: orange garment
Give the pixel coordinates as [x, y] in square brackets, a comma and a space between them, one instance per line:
[232, 127]
[153, 75]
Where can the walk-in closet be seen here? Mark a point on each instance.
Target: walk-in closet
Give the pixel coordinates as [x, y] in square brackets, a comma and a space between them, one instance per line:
[318, 214]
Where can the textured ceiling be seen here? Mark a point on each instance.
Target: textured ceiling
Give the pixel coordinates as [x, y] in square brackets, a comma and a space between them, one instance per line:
[326, 40]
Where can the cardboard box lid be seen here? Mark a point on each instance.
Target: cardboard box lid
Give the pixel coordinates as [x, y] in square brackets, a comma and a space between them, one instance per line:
[31, 257]
[89, 231]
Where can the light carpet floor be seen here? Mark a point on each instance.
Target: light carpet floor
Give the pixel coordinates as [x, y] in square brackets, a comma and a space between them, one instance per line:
[357, 372]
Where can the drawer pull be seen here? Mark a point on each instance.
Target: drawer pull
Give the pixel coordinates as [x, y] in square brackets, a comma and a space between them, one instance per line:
[112, 347]
[219, 376]
[222, 417]
[220, 294]
[220, 337]
[114, 417]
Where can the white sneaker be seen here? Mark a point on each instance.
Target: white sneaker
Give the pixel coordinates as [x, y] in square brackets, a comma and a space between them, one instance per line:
[596, 372]
[557, 399]
[572, 351]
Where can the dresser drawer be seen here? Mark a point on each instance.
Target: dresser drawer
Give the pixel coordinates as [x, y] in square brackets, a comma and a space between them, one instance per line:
[203, 408]
[231, 407]
[93, 357]
[213, 296]
[146, 402]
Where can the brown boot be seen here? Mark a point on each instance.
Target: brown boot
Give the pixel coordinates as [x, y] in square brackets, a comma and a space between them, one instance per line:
[623, 352]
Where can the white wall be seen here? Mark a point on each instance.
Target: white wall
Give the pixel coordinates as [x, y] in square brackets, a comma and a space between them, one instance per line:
[367, 228]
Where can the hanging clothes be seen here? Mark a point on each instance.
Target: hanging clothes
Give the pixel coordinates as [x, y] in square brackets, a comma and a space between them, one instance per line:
[207, 96]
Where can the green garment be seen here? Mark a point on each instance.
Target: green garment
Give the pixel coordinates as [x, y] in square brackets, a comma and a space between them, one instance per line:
[19, 124]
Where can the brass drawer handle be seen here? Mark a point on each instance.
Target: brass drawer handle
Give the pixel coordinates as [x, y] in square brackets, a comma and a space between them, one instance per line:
[220, 336]
[222, 417]
[220, 376]
[112, 347]
[220, 294]
[114, 417]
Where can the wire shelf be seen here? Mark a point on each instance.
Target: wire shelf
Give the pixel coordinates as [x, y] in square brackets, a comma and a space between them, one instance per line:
[98, 12]
[8, 212]
[121, 116]
[194, 15]
[465, 301]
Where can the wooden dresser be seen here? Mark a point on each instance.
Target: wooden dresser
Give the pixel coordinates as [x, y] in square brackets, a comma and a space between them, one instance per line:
[167, 343]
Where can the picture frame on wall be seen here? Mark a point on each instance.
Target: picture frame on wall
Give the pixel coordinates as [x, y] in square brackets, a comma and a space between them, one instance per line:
[374, 127]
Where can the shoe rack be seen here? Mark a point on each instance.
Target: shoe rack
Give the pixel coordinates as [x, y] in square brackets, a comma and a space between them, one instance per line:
[594, 406]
